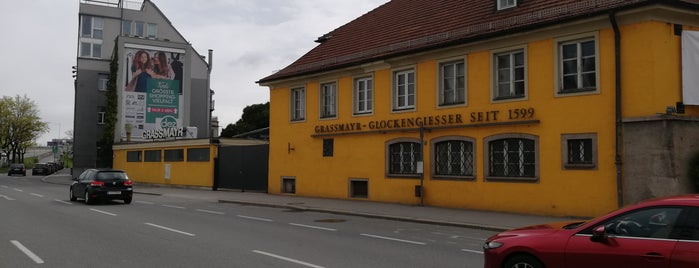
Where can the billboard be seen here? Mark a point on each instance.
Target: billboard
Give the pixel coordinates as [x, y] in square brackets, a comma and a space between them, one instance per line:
[152, 98]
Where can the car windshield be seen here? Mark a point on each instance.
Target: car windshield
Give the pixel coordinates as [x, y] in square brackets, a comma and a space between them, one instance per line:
[17, 165]
[111, 175]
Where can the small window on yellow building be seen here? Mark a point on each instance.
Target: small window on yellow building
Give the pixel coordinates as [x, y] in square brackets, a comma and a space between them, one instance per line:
[579, 151]
[198, 155]
[133, 156]
[174, 155]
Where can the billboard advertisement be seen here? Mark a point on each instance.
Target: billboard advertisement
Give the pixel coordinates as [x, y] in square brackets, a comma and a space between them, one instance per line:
[152, 98]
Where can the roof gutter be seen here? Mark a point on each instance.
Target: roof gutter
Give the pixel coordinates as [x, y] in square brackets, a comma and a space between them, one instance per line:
[617, 95]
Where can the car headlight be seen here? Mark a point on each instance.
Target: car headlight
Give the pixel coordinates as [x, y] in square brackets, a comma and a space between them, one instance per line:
[492, 245]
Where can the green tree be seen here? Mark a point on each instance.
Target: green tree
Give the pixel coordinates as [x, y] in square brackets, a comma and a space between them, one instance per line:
[20, 125]
[254, 117]
[110, 115]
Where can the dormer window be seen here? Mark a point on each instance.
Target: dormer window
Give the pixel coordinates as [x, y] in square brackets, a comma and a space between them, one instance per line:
[505, 4]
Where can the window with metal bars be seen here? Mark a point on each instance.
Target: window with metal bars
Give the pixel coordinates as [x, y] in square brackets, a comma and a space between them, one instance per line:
[579, 151]
[403, 158]
[512, 158]
[453, 158]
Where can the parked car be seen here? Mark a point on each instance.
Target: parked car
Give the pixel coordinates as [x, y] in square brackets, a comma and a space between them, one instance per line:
[17, 169]
[102, 184]
[41, 169]
[656, 233]
[54, 166]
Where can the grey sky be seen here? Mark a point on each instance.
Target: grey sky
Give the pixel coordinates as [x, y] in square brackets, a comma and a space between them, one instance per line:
[250, 38]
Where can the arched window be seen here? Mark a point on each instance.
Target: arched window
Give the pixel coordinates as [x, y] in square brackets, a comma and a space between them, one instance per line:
[512, 157]
[403, 156]
[453, 157]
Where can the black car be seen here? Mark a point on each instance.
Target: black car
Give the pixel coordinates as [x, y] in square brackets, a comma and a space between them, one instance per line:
[17, 169]
[41, 169]
[102, 184]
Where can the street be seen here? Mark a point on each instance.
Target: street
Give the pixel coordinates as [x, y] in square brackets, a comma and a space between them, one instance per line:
[41, 227]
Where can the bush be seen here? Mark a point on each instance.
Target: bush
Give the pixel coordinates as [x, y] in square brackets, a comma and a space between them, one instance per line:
[694, 172]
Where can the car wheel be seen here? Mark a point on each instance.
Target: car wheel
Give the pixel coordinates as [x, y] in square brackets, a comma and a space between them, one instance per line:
[72, 197]
[87, 198]
[523, 261]
[127, 200]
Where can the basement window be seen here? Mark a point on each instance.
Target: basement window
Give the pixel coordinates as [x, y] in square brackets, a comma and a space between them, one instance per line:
[289, 185]
[505, 4]
[359, 188]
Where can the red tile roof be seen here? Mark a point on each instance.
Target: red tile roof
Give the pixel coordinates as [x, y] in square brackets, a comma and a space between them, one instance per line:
[406, 26]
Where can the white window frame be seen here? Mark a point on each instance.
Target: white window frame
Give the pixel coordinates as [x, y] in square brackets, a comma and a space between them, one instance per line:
[101, 111]
[558, 61]
[102, 80]
[511, 69]
[505, 4]
[406, 100]
[441, 92]
[363, 95]
[297, 104]
[151, 30]
[91, 45]
[126, 27]
[328, 100]
[139, 29]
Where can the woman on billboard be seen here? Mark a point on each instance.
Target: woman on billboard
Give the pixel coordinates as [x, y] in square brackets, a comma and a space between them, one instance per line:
[139, 72]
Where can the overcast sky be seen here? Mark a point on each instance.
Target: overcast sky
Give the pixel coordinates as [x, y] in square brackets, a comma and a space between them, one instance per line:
[250, 40]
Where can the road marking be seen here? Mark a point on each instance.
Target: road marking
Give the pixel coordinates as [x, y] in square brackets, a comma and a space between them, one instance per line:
[171, 206]
[394, 239]
[144, 202]
[472, 251]
[38, 195]
[313, 227]
[7, 198]
[287, 259]
[212, 212]
[253, 218]
[169, 229]
[27, 252]
[18, 190]
[64, 202]
[103, 212]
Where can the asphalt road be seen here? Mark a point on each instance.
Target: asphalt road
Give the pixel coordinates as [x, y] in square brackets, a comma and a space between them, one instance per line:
[40, 227]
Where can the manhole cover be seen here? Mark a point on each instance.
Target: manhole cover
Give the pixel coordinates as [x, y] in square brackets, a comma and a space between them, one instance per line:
[331, 220]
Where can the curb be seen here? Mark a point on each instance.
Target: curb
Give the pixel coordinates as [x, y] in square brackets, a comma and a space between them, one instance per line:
[374, 216]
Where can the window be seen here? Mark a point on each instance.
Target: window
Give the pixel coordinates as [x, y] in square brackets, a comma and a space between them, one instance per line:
[359, 188]
[298, 104]
[91, 36]
[91, 49]
[653, 222]
[289, 185]
[512, 157]
[453, 81]
[579, 151]
[126, 27]
[174, 155]
[364, 95]
[328, 145]
[505, 4]
[453, 157]
[102, 80]
[328, 100]
[198, 155]
[139, 29]
[403, 157]
[101, 111]
[152, 156]
[578, 66]
[151, 30]
[404, 86]
[510, 73]
[133, 156]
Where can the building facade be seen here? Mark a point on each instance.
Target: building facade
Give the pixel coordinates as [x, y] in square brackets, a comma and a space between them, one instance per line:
[162, 83]
[569, 108]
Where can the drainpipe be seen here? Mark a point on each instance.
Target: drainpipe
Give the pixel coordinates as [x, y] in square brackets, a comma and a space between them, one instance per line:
[208, 93]
[617, 91]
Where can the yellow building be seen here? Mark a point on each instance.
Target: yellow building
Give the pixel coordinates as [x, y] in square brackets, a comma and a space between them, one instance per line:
[548, 107]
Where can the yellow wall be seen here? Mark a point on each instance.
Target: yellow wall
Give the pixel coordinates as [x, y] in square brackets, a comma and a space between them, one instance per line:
[650, 82]
[184, 173]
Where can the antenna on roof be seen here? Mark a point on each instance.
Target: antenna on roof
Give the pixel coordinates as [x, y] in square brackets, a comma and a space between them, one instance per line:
[323, 38]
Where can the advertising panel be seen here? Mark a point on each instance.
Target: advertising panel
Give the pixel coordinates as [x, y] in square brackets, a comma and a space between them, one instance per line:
[152, 94]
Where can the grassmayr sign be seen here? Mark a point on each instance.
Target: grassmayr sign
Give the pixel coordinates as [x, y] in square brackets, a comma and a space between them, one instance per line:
[168, 129]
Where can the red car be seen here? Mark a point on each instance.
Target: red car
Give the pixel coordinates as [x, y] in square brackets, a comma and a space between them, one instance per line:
[661, 232]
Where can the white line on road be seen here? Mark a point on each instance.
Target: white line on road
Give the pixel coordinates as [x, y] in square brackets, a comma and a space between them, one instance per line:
[287, 259]
[27, 252]
[37, 195]
[103, 212]
[7, 198]
[169, 229]
[254, 218]
[472, 251]
[212, 212]
[18, 190]
[313, 227]
[64, 202]
[394, 239]
[171, 206]
[144, 202]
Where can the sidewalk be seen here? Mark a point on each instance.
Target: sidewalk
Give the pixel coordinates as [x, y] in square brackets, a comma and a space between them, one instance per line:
[486, 220]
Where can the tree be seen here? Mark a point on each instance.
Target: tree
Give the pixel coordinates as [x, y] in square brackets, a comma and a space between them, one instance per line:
[20, 125]
[254, 117]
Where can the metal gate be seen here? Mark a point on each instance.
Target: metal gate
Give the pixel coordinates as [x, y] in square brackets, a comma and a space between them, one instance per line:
[242, 167]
